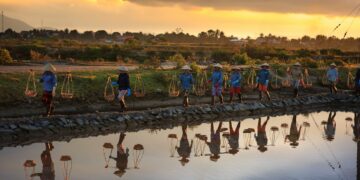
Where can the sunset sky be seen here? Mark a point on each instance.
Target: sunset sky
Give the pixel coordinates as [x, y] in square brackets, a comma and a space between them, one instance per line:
[242, 18]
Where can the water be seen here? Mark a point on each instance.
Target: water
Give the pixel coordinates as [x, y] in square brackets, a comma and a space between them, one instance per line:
[313, 158]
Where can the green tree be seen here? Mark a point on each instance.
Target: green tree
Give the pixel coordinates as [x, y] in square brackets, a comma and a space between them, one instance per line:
[179, 59]
[5, 57]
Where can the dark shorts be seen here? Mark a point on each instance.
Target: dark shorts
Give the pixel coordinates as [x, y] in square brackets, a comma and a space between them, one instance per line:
[47, 98]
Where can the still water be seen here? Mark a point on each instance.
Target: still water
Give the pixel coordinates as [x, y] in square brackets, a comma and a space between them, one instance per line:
[312, 146]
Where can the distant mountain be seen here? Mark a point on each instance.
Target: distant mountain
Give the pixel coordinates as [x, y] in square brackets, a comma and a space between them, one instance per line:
[15, 24]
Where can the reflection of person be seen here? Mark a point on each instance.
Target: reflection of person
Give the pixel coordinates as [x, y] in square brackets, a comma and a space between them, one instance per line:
[333, 76]
[235, 83]
[233, 138]
[217, 83]
[263, 79]
[215, 141]
[122, 157]
[297, 76]
[187, 81]
[294, 135]
[357, 81]
[124, 86]
[330, 127]
[48, 171]
[356, 126]
[49, 81]
[260, 137]
[184, 150]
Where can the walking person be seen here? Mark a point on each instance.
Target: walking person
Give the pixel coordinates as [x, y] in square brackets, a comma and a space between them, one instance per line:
[357, 81]
[187, 81]
[124, 86]
[262, 80]
[235, 83]
[333, 77]
[184, 150]
[216, 80]
[297, 77]
[49, 81]
[261, 137]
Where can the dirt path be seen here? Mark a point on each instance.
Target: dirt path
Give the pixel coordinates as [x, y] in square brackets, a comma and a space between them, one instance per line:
[59, 68]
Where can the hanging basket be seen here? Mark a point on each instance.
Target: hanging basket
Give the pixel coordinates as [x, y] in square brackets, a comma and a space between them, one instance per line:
[30, 90]
[251, 79]
[324, 80]
[275, 84]
[350, 84]
[226, 85]
[109, 94]
[174, 90]
[200, 84]
[307, 80]
[67, 88]
[139, 89]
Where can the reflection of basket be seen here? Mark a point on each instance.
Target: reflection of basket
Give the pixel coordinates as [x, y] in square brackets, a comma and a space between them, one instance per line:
[29, 163]
[30, 93]
[65, 158]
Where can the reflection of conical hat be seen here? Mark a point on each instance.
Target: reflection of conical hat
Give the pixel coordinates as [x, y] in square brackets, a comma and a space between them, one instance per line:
[120, 172]
[233, 151]
[183, 161]
[49, 67]
[262, 148]
[214, 158]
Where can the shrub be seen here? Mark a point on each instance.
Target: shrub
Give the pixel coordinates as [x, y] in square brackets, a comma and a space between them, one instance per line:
[240, 58]
[179, 59]
[5, 57]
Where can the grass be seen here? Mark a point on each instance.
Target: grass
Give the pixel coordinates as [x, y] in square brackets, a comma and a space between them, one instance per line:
[89, 85]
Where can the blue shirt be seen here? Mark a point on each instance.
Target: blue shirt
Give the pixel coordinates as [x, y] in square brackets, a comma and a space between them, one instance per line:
[123, 81]
[235, 79]
[49, 81]
[263, 76]
[217, 78]
[332, 74]
[186, 80]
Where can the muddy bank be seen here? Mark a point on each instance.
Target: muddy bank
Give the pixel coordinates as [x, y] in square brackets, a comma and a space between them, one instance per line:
[35, 108]
[23, 131]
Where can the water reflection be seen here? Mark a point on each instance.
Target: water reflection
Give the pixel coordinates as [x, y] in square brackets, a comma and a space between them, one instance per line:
[184, 150]
[330, 127]
[294, 135]
[122, 156]
[48, 171]
[191, 149]
[261, 138]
